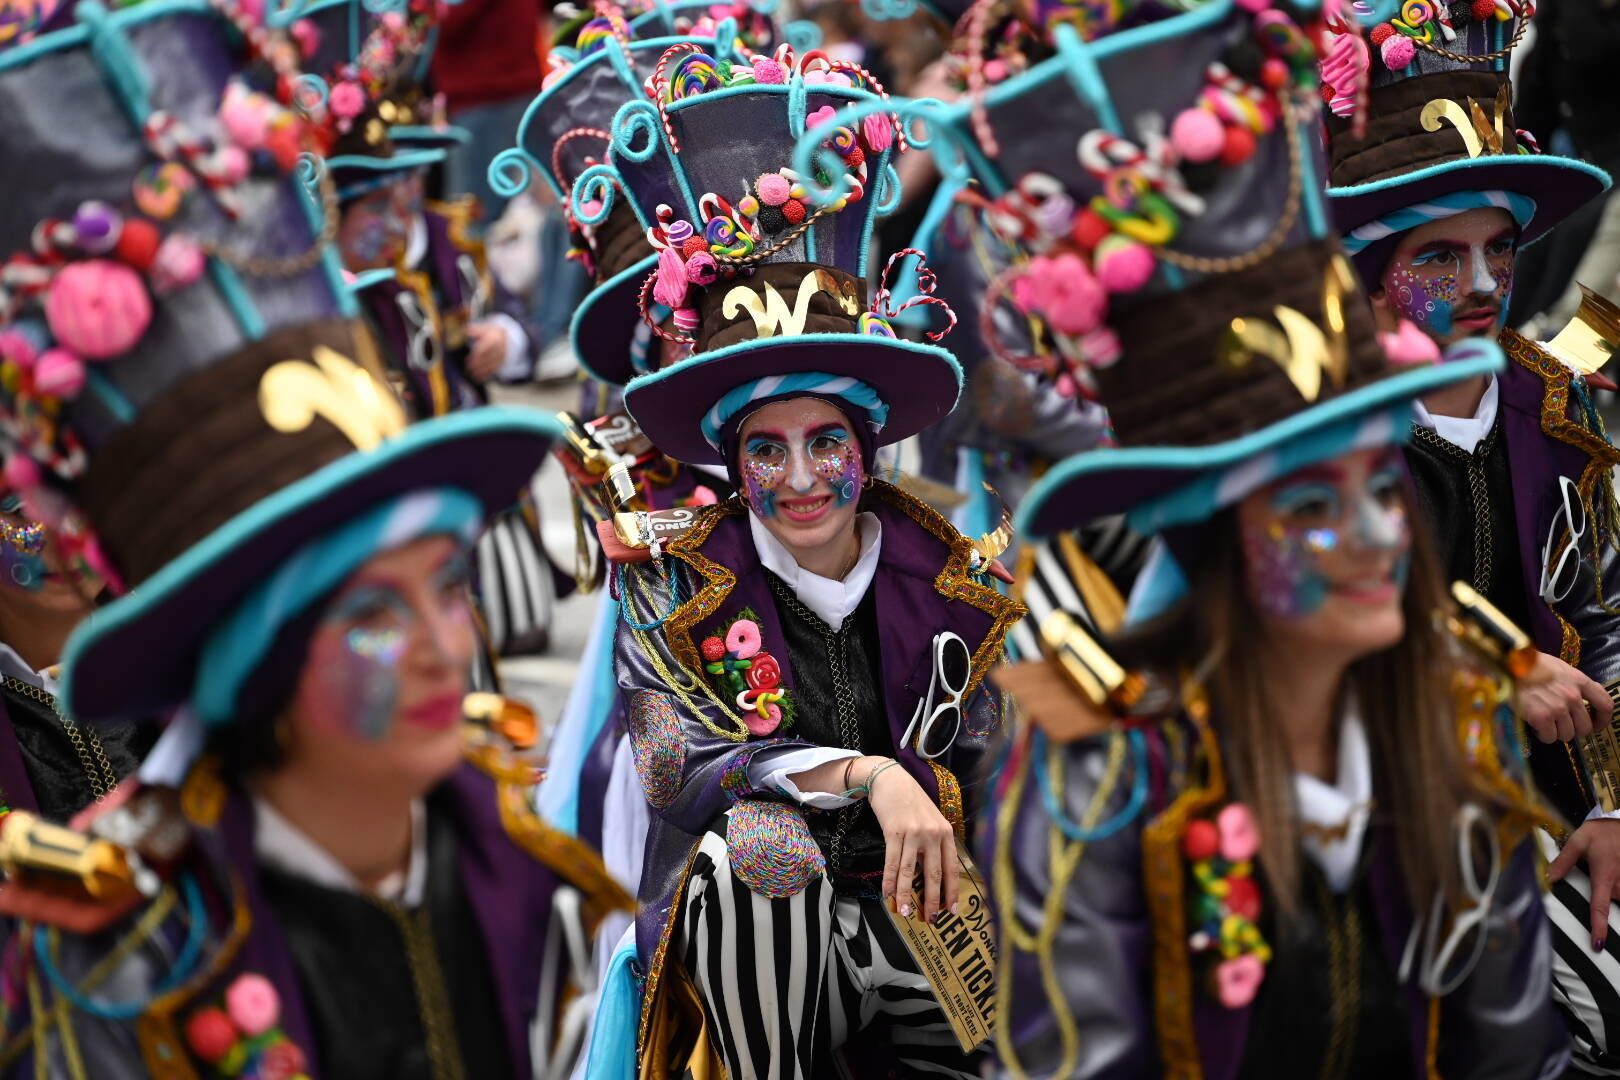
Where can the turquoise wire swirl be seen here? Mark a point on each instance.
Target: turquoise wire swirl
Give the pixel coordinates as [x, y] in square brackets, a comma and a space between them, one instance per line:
[115, 58]
[802, 35]
[599, 184]
[511, 172]
[309, 93]
[886, 193]
[637, 118]
[725, 41]
[944, 143]
[766, 7]
[883, 10]
[382, 7]
[280, 15]
[309, 171]
[184, 963]
[1127, 814]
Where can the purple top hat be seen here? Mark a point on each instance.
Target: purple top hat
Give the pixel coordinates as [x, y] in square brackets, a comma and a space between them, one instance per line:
[183, 392]
[1178, 258]
[566, 130]
[1420, 125]
[767, 285]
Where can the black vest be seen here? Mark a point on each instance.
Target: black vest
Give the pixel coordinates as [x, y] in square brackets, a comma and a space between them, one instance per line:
[837, 682]
[359, 974]
[60, 759]
[1331, 948]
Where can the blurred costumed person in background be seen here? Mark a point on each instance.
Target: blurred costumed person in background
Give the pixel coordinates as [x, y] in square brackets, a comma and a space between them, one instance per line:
[1435, 192]
[803, 663]
[320, 868]
[1282, 830]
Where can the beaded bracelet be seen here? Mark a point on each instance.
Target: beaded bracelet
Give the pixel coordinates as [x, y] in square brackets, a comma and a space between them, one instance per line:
[865, 790]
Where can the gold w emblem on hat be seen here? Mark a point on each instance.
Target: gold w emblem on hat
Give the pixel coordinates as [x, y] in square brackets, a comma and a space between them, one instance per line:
[294, 392]
[1479, 133]
[771, 314]
[1296, 343]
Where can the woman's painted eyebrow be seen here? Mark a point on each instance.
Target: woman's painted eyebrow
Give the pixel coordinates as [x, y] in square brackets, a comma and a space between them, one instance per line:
[766, 436]
[826, 429]
[1324, 473]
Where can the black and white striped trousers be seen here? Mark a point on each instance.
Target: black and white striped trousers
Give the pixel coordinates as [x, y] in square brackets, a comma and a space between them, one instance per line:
[786, 983]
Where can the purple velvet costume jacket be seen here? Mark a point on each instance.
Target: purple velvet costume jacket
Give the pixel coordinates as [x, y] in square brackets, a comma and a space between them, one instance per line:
[692, 774]
[1117, 960]
[511, 868]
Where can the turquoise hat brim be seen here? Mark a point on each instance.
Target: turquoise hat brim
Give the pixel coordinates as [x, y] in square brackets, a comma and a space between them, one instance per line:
[1118, 480]
[357, 174]
[1559, 186]
[428, 137]
[137, 656]
[604, 325]
[919, 383]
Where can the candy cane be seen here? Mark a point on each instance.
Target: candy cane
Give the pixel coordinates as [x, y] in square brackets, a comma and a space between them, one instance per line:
[173, 141]
[1101, 152]
[660, 86]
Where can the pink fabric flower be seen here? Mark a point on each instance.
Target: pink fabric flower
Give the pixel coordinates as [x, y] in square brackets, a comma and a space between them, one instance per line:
[1063, 291]
[1238, 980]
[1240, 836]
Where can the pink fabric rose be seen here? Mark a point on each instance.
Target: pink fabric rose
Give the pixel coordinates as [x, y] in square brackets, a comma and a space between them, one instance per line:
[1063, 291]
[1238, 980]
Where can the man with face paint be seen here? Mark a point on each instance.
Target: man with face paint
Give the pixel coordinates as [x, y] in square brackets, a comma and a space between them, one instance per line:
[803, 663]
[49, 764]
[1513, 470]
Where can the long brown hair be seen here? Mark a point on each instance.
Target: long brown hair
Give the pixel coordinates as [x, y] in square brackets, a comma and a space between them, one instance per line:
[1403, 696]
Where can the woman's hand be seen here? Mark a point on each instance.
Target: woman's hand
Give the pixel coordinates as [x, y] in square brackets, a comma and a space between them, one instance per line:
[1559, 703]
[914, 831]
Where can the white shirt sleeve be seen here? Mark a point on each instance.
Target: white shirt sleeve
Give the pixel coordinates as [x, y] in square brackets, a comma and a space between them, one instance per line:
[1597, 813]
[515, 364]
[776, 770]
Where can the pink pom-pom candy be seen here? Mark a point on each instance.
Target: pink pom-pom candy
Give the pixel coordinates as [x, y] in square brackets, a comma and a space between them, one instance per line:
[346, 99]
[1239, 835]
[1123, 265]
[1076, 302]
[671, 287]
[774, 189]
[245, 117]
[1397, 52]
[59, 374]
[22, 473]
[98, 308]
[253, 1004]
[180, 261]
[1197, 135]
[768, 72]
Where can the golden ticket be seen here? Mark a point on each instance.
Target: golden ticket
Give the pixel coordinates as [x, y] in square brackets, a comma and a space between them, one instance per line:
[1600, 753]
[957, 955]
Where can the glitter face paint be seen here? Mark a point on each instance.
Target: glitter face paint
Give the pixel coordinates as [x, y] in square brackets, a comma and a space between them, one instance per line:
[373, 231]
[774, 461]
[22, 553]
[359, 649]
[1453, 277]
[1312, 518]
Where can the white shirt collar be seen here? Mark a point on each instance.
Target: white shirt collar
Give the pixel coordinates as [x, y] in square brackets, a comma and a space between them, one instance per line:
[1347, 801]
[12, 664]
[283, 846]
[416, 245]
[831, 601]
[1463, 432]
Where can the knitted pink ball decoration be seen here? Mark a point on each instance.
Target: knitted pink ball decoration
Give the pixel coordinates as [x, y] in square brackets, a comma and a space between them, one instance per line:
[59, 374]
[1196, 135]
[773, 189]
[98, 308]
[1123, 265]
[1397, 52]
[768, 72]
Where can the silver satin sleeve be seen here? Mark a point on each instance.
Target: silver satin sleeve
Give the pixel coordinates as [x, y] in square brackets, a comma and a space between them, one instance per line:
[712, 769]
[1099, 961]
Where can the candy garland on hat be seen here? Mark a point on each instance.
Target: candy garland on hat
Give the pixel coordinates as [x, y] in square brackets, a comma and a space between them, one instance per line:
[1081, 255]
[1425, 23]
[775, 208]
[82, 293]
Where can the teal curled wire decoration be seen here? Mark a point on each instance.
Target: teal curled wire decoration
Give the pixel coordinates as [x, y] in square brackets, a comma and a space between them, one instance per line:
[946, 145]
[597, 185]
[511, 171]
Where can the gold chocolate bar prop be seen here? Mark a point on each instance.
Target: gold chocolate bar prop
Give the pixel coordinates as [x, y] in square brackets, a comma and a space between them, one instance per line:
[61, 861]
[1592, 336]
[1087, 666]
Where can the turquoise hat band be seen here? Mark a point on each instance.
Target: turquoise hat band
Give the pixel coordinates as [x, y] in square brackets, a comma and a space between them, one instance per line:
[1521, 207]
[843, 387]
